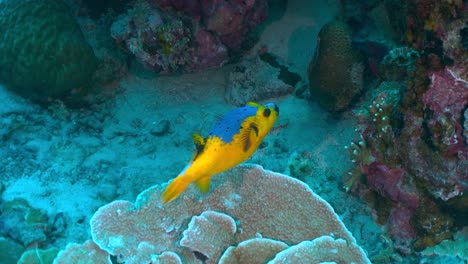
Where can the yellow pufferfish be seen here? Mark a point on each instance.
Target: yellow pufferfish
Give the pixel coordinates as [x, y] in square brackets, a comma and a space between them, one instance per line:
[232, 140]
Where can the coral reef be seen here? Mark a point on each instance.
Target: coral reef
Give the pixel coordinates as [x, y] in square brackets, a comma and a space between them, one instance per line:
[254, 250]
[456, 249]
[245, 203]
[465, 124]
[43, 53]
[399, 64]
[301, 164]
[209, 233]
[10, 252]
[336, 72]
[38, 256]
[320, 250]
[446, 99]
[23, 223]
[412, 156]
[76, 253]
[172, 36]
[159, 42]
[230, 21]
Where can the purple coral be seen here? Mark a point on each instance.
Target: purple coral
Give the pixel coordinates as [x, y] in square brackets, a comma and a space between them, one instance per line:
[232, 20]
[209, 51]
[201, 36]
[391, 183]
[447, 98]
[400, 228]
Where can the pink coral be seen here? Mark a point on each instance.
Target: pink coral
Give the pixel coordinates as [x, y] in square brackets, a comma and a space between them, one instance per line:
[390, 182]
[209, 51]
[253, 251]
[447, 98]
[324, 249]
[200, 38]
[76, 253]
[262, 203]
[231, 20]
[400, 228]
[190, 7]
[210, 233]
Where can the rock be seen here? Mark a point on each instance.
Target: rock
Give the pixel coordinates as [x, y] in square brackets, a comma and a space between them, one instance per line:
[161, 129]
[254, 80]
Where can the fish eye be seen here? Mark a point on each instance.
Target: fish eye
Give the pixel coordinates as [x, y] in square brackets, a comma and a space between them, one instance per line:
[266, 112]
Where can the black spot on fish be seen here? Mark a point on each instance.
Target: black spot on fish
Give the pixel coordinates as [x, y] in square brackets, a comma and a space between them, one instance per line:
[266, 112]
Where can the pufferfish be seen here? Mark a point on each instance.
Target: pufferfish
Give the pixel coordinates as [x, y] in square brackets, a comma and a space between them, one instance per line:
[232, 140]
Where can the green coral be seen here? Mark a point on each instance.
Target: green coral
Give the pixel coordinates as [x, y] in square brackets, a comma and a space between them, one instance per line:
[10, 251]
[43, 52]
[39, 256]
[399, 64]
[458, 247]
[31, 215]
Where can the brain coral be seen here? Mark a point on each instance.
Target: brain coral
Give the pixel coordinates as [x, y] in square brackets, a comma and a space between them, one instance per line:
[43, 52]
[335, 73]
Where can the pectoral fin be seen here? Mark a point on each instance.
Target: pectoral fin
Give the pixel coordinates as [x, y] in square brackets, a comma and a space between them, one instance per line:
[249, 135]
[199, 144]
[203, 184]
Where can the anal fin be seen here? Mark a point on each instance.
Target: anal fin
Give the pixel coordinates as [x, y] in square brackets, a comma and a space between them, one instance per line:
[203, 184]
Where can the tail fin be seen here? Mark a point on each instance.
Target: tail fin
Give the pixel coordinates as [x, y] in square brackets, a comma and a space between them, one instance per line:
[175, 188]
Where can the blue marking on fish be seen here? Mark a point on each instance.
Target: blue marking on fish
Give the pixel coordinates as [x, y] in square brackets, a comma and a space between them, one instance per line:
[230, 123]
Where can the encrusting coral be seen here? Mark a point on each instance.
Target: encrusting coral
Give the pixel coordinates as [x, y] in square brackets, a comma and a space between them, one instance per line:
[245, 206]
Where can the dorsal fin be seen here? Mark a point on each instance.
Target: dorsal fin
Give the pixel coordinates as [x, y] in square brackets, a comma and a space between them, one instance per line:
[254, 104]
